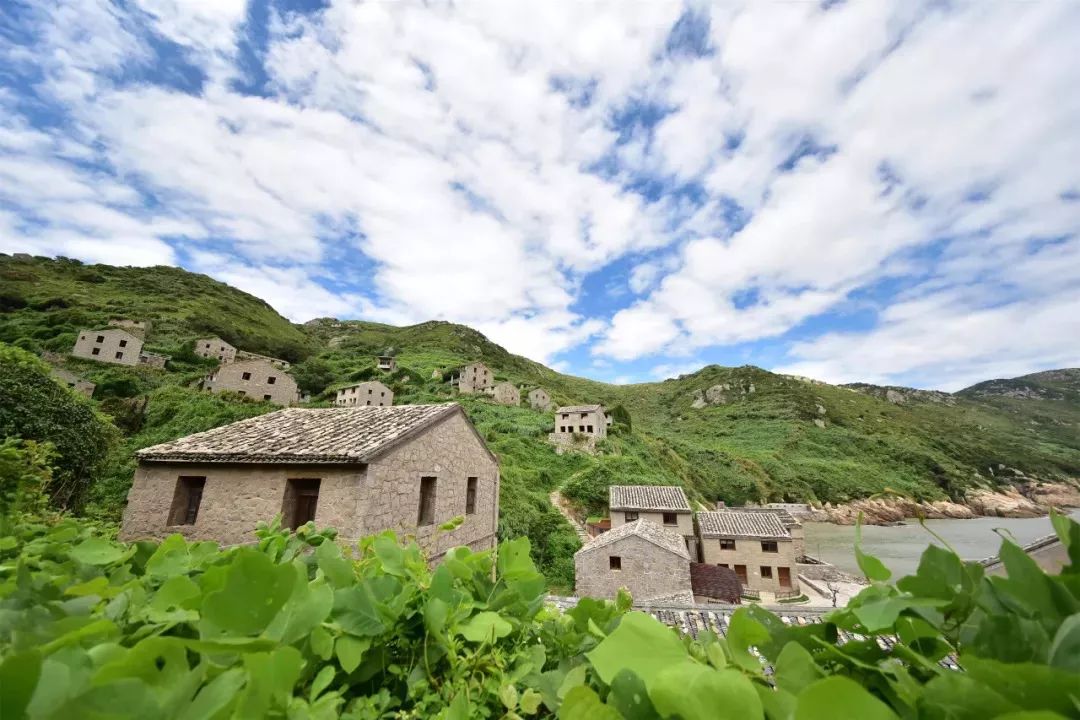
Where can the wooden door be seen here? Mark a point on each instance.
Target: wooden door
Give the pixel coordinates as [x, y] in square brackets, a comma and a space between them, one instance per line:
[740, 570]
[785, 577]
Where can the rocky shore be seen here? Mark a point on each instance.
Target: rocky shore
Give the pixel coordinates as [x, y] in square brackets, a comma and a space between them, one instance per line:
[1028, 499]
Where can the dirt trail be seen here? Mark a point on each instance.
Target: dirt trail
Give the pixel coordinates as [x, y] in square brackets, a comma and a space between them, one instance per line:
[563, 506]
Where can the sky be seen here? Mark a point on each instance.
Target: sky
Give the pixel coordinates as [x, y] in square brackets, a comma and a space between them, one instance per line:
[884, 192]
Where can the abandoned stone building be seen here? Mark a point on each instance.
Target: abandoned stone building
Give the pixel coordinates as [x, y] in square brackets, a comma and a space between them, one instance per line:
[539, 399]
[789, 521]
[216, 348]
[647, 559]
[73, 381]
[504, 393]
[665, 505]
[152, 359]
[581, 420]
[256, 379]
[367, 393]
[472, 378]
[112, 345]
[276, 362]
[386, 363]
[756, 545]
[361, 470]
[138, 328]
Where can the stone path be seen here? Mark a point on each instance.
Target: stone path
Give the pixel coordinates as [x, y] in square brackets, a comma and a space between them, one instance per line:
[563, 507]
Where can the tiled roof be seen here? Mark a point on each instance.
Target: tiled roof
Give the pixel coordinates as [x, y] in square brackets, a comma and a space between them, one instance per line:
[715, 582]
[303, 435]
[580, 408]
[648, 497]
[786, 518]
[362, 384]
[734, 523]
[650, 531]
[682, 597]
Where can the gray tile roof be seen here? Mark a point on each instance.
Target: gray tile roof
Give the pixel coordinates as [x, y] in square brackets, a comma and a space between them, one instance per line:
[579, 408]
[648, 497]
[786, 518]
[650, 531]
[303, 435]
[734, 523]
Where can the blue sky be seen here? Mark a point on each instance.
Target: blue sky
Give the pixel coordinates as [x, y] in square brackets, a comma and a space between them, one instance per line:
[882, 192]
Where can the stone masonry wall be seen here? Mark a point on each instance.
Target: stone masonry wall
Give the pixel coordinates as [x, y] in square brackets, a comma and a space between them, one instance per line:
[213, 347]
[539, 400]
[575, 422]
[258, 386]
[450, 452]
[748, 552]
[685, 526]
[372, 393]
[505, 394]
[648, 571]
[112, 343]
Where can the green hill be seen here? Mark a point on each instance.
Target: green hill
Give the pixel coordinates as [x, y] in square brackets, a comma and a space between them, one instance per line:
[734, 434]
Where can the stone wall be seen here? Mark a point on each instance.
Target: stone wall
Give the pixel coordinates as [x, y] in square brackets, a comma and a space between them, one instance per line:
[580, 422]
[539, 400]
[372, 393]
[472, 378]
[748, 552]
[684, 525]
[648, 571]
[282, 390]
[505, 394]
[115, 346]
[216, 348]
[154, 360]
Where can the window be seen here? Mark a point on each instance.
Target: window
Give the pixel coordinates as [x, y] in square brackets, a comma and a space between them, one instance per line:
[95, 351]
[584, 415]
[426, 512]
[241, 392]
[368, 403]
[186, 500]
[671, 519]
[590, 428]
[119, 355]
[266, 397]
[581, 428]
[369, 391]
[271, 380]
[723, 565]
[100, 338]
[208, 346]
[727, 544]
[470, 496]
[123, 343]
[630, 516]
[766, 572]
[769, 546]
[301, 499]
[785, 577]
[382, 394]
[615, 562]
[245, 376]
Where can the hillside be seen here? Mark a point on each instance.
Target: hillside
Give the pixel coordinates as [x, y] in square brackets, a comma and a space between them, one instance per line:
[734, 434]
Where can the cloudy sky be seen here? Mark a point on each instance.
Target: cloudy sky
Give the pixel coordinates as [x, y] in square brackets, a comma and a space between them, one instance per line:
[886, 192]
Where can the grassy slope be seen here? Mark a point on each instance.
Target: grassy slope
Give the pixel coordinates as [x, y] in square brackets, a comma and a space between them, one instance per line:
[760, 445]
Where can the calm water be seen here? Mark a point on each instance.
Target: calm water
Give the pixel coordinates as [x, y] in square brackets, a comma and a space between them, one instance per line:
[900, 547]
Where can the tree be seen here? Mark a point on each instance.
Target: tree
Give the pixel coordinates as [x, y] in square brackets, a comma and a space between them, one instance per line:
[36, 407]
[313, 375]
[621, 416]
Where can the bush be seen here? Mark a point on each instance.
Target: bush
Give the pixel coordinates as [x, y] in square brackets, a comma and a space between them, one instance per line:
[10, 301]
[24, 476]
[35, 407]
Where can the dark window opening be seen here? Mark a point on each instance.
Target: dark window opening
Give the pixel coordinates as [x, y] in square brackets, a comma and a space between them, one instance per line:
[671, 519]
[766, 572]
[300, 502]
[186, 500]
[100, 338]
[769, 546]
[245, 376]
[208, 346]
[271, 380]
[123, 343]
[727, 544]
[630, 516]
[615, 562]
[266, 397]
[426, 512]
[95, 351]
[470, 496]
[590, 428]
[119, 355]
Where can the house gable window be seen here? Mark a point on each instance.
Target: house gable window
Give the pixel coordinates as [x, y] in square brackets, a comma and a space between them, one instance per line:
[300, 501]
[769, 546]
[426, 511]
[615, 562]
[727, 544]
[630, 516]
[245, 376]
[671, 519]
[119, 355]
[100, 339]
[470, 496]
[187, 497]
[95, 351]
[271, 380]
[123, 343]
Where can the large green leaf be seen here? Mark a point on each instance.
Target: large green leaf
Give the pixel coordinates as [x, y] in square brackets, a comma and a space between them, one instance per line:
[956, 696]
[338, 569]
[97, 551]
[485, 626]
[364, 608]
[172, 558]
[255, 590]
[582, 703]
[350, 651]
[1027, 685]
[692, 691]
[745, 632]
[872, 568]
[1065, 649]
[19, 673]
[839, 696]
[640, 644]
[795, 668]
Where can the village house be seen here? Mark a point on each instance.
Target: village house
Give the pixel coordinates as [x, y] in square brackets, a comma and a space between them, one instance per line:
[256, 379]
[152, 359]
[647, 559]
[368, 393]
[138, 328]
[276, 362]
[539, 399]
[111, 346]
[756, 545]
[73, 381]
[361, 470]
[789, 521]
[504, 393]
[581, 420]
[665, 505]
[474, 377]
[216, 348]
[386, 363]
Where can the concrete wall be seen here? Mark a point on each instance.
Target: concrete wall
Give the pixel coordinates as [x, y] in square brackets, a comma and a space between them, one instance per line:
[281, 391]
[539, 400]
[748, 552]
[215, 347]
[112, 343]
[372, 393]
[648, 571]
[574, 422]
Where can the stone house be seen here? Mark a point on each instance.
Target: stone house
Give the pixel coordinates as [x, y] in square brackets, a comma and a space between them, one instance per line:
[788, 520]
[368, 393]
[504, 393]
[152, 359]
[256, 379]
[111, 346]
[472, 378]
[647, 559]
[581, 420]
[361, 470]
[756, 545]
[664, 505]
[386, 363]
[215, 347]
[539, 399]
[73, 381]
[276, 362]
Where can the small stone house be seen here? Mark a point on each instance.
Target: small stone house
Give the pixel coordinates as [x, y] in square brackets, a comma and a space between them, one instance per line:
[504, 393]
[256, 379]
[361, 470]
[73, 381]
[371, 393]
[472, 378]
[215, 347]
[647, 559]
[386, 363]
[756, 545]
[151, 359]
[581, 420]
[111, 346]
[539, 399]
[664, 505]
